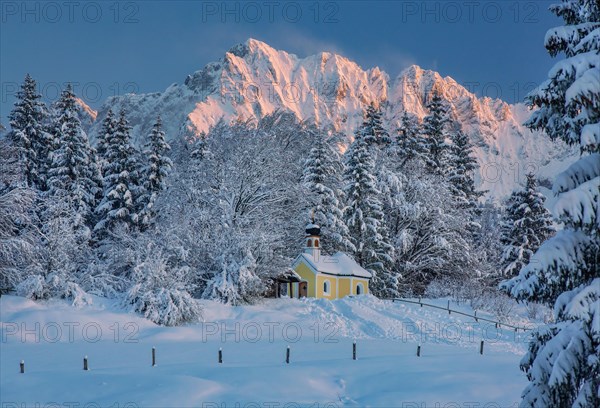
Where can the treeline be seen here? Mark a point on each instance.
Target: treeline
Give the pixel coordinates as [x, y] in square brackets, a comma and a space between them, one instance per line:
[220, 216]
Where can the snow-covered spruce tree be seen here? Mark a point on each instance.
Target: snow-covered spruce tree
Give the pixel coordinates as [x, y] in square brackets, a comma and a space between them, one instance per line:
[372, 127]
[410, 143]
[563, 363]
[526, 224]
[160, 291]
[365, 219]
[461, 168]
[321, 177]
[65, 254]
[435, 131]
[19, 235]
[200, 150]
[487, 247]
[28, 135]
[156, 171]
[109, 125]
[236, 280]
[73, 174]
[119, 203]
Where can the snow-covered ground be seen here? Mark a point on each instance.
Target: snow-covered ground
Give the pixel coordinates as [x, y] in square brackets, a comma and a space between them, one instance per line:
[53, 338]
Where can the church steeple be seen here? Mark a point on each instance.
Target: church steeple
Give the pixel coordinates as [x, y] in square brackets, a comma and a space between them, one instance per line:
[312, 244]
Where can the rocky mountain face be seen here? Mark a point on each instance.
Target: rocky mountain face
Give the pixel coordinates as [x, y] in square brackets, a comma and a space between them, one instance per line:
[253, 80]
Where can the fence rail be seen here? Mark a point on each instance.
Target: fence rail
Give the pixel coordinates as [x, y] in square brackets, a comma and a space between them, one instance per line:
[474, 316]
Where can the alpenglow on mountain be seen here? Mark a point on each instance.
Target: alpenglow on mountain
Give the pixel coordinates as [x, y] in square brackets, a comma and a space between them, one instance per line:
[253, 79]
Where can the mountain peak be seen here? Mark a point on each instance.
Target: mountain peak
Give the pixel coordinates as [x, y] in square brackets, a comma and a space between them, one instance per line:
[253, 80]
[252, 46]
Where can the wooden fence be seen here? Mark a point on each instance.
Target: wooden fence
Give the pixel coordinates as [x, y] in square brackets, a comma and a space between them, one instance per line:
[474, 316]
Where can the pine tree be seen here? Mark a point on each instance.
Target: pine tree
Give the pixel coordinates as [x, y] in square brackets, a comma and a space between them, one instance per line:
[109, 125]
[365, 219]
[372, 127]
[461, 168]
[525, 226]
[156, 171]
[435, 130]
[28, 135]
[73, 174]
[562, 364]
[200, 148]
[321, 177]
[410, 143]
[119, 203]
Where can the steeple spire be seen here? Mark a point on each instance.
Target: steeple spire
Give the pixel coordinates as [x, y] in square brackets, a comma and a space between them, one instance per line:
[313, 238]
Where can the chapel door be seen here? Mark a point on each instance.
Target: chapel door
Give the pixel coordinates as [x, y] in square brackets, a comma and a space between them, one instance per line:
[303, 289]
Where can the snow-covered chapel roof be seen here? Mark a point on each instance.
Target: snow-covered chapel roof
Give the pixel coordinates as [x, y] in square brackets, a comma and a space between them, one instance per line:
[339, 264]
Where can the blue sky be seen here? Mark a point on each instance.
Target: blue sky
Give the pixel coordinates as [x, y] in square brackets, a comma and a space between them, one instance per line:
[495, 48]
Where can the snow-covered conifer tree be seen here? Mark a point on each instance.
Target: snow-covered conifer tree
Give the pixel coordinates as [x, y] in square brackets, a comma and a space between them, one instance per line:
[435, 130]
[73, 174]
[155, 172]
[410, 143]
[563, 364]
[461, 168]
[321, 177]
[372, 127]
[525, 226]
[121, 181]
[28, 135]
[109, 124]
[365, 219]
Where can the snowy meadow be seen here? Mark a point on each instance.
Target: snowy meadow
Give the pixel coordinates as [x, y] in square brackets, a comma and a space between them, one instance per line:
[53, 338]
[348, 247]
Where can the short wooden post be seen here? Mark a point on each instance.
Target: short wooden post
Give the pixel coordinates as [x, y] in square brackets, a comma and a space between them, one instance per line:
[449, 311]
[419, 350]
[496, 325]
[476, 316]
[481, 347]
[85, 363]
[516, 329]
[420, 302]
[153, 356]
[287, 355]
[220, 355]
[22, 366]
[354, 350]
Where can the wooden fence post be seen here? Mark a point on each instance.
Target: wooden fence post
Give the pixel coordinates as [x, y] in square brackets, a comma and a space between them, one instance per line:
[449, 311]
[220, 355]
[22, 366]
[153, 356]
[476, 316]
[419, 351]
[85, 363]
[354, 350]
[287, 355]
[481, 347]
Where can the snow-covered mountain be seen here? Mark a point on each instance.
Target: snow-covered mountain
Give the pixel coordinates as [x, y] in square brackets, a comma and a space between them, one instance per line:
[253, 79]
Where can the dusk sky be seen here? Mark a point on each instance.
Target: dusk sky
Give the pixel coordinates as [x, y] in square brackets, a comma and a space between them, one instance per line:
[106, 48]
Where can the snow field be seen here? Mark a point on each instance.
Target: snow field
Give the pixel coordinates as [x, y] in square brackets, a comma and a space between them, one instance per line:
[450, 371]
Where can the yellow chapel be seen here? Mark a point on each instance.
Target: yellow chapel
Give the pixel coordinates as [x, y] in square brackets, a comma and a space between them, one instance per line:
[327, 277]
